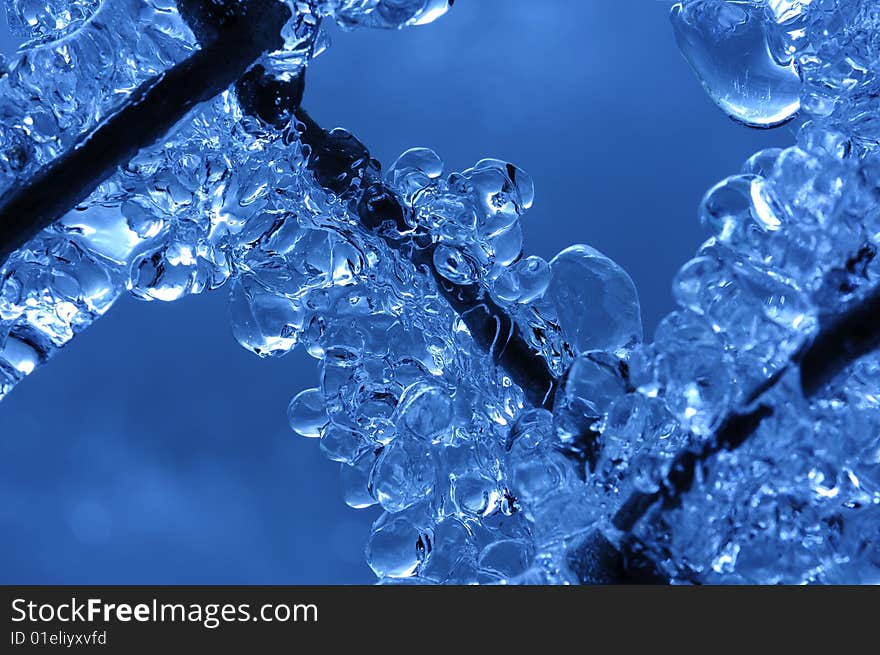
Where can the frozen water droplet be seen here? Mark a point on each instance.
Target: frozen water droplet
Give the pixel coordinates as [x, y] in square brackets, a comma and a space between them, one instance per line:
[453, 265]
[341, 445]
[534, 276]
[596, 301]
[517, 178]
[592, 384]
[397, 548]
[506, 558]
[355, 482]
[168, 273]
[728, 44]
[423, 160]
[524, 282]
[499, 191]
[727, 206]
[425, 409]
[474, 493]
[506, 248]
[431, 11]
[413, 171]
[306, 413]
[403, 475]
[265, 323]
[762, 162]
[506, 287]
[738, 210]
[389, 14]
[695, 373]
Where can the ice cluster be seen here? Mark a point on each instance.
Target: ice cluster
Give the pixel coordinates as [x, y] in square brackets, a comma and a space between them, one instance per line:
[54, 92]
[47, 20]
[794, 241]
[369, 270]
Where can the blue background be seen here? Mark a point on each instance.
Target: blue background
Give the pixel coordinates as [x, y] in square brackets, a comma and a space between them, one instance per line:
[155, 450]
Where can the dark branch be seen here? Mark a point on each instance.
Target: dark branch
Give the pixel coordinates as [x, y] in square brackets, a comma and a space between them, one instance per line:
[343, 165]
[841, 341]
[844, 339]
[233, 35]
[341, 162]
[494, 330]
[147, 115]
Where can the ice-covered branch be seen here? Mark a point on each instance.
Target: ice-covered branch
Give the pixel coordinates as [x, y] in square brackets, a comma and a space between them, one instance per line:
[238, 39]
[343, 165]
[334, 158]
[232, 37]
[841, 341]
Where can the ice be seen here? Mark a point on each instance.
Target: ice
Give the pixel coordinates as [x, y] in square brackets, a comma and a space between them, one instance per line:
[730, 45]
[477, 485]
[595, 299]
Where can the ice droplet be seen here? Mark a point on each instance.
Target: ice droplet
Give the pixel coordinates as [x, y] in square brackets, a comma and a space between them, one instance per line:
[596, 301]
[306, 413]
[728, 44]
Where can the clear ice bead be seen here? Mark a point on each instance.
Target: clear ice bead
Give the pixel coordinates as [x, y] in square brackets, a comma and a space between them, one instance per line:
[524, 282]
[388, 14]
[730, 46]
[425, 409]
[403, 475]
[595, 300]
[454, 265]
[263, 322]
[306, 413]
[397, 547]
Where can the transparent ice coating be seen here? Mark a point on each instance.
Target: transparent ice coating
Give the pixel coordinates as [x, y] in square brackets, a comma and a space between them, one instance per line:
[131, 228]
[763, 61]
[55, 92]
[46, 20]
[141, 228]
[71, 273]
[793, 237]
[392, 14]
[731, 45]
[797, 504]
[841, 71]
[475, 485]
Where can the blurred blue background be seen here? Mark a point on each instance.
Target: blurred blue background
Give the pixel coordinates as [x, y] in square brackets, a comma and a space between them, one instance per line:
[155, 450]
